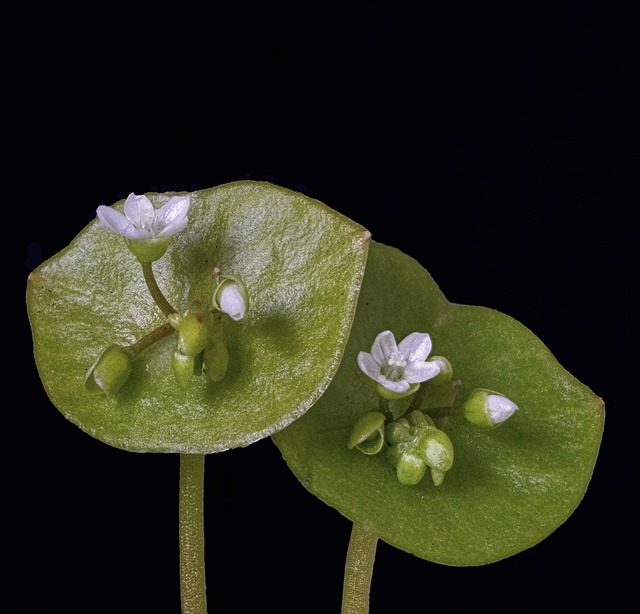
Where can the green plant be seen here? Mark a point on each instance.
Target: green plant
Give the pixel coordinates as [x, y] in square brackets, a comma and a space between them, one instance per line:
[247, 310]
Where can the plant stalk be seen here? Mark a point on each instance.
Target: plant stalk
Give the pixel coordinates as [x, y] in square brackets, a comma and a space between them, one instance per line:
[154, 289]
[148, 340]
[191, 519]
[358, 570]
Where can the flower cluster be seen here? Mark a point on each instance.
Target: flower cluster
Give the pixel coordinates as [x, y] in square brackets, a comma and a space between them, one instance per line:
[412, 433]
[200, 345]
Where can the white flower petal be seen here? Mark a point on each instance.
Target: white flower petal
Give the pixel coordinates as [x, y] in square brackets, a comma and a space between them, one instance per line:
[112, 219]
[383, 346]
[416, 372]
[416, 346]
[172, 228]
[173, 211]
[140, 234]
[139, 209]
[368, 365]
[399, 386]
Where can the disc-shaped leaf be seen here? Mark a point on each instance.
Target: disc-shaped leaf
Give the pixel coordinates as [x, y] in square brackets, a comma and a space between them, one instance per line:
[509, 487]
[302, 263]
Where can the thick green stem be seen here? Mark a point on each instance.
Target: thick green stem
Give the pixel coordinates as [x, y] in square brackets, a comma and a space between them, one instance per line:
[192, 571]
[155, 291]
[358, 570]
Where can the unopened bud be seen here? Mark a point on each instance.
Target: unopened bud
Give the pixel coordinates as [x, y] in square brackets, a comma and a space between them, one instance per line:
[193, 333]
[410, 469]
[367, 434]
[398, 432]
[436, 448]
[216, 359]
[231, 297]
[446, 370]
[110, 371]
[183, 367]
[488, 409]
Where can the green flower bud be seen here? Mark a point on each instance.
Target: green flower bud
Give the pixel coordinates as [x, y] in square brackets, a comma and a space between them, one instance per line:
[367, 434]
[410, 469]
[395, 451]
[193, 334]
[437, 450]
[420, 421]
[183, 367]
[231, 297]
[175, 320]
[415, 445]
[216, 359]
[488, 409]
[446, 370]
[110, 371]
[398, 432]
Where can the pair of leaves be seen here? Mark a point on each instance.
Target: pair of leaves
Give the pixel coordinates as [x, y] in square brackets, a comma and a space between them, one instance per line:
[304, 265]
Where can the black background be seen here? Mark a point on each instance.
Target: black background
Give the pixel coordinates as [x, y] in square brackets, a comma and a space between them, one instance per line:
[496, 145]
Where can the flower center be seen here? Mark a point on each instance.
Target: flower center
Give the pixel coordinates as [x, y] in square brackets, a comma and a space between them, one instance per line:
[147, 221]
[394, 369]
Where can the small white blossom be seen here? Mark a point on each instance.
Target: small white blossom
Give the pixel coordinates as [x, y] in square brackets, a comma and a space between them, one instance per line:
[141, 221]
[396, 367]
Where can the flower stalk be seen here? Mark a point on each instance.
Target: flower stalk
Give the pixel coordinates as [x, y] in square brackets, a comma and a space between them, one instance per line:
[157, 295]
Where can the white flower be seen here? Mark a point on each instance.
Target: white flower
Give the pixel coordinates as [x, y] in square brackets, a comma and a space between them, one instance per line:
[397, 367]
[141, 221]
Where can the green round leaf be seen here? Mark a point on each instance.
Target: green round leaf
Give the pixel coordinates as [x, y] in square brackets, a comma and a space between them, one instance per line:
[302, 264]
[509, 487]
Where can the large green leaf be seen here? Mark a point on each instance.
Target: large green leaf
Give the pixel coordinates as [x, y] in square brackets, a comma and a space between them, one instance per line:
[302, 263]
[509, 487]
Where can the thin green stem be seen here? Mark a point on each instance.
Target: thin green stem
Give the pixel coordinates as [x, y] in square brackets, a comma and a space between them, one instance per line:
[383, 406]
[154, 289]
[191, 518]
[153, 337]
[443, 412]
[358, 570]
[417, 399]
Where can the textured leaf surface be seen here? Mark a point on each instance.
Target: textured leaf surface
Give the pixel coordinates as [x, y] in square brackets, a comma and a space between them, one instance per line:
[302, 263]
[508, 488]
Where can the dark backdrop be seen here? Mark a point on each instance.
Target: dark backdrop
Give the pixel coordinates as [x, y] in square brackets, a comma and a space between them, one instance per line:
[497, 146]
